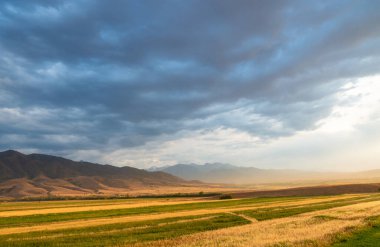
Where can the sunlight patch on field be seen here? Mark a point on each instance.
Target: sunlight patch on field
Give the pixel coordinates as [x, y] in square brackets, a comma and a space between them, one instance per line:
[293, 231]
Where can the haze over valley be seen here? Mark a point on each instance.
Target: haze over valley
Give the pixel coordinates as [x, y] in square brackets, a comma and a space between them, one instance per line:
[229, 174]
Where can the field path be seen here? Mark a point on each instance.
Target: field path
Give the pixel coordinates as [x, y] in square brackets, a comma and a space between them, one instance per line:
[252, 220]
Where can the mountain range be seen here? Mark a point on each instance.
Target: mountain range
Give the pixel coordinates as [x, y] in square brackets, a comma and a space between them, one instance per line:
[40, 175]
[43, 175]
[229, 174]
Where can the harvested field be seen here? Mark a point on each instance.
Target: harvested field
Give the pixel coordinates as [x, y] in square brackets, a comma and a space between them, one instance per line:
[317, 221]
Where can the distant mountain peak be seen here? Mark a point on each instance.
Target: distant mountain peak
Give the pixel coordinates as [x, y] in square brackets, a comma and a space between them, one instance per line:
[219, 165]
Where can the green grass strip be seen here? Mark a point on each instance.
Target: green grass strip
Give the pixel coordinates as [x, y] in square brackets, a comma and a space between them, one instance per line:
[364, 237]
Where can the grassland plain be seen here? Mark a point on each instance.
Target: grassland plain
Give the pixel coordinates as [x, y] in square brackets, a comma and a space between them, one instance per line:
[281, 221]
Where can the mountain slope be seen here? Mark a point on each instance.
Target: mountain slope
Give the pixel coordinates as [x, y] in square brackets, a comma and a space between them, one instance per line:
[225, 173]
[39, 174]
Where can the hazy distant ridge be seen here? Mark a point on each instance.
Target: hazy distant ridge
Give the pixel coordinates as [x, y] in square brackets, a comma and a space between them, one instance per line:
[226, 173]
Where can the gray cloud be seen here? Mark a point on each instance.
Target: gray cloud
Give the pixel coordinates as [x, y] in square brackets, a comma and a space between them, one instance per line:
[120, 73]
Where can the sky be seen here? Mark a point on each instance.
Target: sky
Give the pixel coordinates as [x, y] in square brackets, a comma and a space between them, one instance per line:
[270, 84]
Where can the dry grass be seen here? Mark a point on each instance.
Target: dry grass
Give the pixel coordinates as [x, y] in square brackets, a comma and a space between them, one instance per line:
[315, 228]
[136, 218]
[144, 203]
[294, 231]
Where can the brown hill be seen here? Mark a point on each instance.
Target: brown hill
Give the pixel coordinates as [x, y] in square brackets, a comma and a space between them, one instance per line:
[43, 175]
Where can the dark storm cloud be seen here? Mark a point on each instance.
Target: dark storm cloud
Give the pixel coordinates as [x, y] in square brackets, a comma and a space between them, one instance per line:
[85, 74]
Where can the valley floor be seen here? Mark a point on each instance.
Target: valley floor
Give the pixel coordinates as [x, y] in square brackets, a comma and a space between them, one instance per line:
[342, 220]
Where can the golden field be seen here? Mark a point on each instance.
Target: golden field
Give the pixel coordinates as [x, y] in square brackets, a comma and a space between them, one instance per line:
[276, 221]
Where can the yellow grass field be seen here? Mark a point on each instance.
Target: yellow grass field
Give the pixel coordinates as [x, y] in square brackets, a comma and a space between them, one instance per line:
[277, 221]
[295, 231]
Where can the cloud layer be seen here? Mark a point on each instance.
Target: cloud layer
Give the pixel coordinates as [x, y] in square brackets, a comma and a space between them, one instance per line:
[95, 77]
